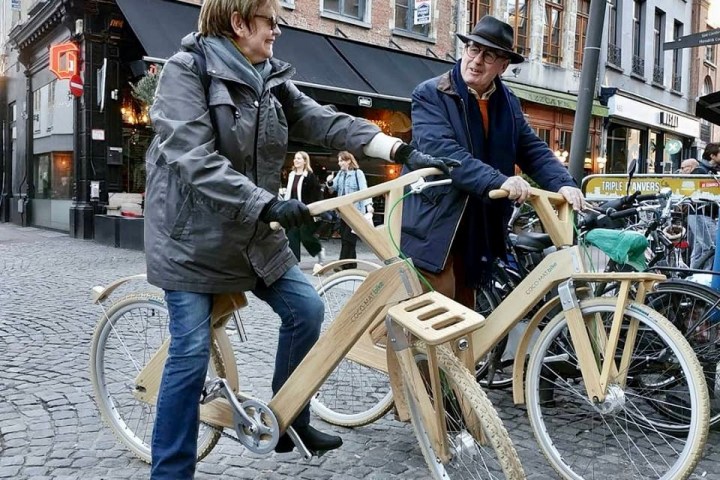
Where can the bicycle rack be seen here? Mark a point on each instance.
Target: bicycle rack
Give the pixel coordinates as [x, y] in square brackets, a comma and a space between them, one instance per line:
[435, 320]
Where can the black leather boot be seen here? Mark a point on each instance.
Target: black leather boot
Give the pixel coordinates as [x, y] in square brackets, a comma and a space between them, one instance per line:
[314, 440]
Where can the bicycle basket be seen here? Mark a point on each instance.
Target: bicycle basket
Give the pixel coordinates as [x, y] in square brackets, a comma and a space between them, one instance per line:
[623, 247]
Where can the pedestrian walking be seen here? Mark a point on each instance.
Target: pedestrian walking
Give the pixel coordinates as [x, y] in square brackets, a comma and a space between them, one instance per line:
[349, 179]
[710, 162]
[303, 185]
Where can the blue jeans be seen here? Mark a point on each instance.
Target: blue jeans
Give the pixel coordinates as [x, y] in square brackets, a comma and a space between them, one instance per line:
[174, 441]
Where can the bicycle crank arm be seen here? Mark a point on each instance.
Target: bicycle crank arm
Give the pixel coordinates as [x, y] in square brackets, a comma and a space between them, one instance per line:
[307, 454]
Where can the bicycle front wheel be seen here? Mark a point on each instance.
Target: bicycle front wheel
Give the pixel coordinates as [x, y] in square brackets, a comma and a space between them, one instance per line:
[619, 437]
[126, 337]
[478, 443]
[355, 394]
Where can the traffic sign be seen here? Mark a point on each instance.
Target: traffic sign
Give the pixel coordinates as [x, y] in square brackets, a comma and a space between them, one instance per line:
[76, 85]
[708, 37]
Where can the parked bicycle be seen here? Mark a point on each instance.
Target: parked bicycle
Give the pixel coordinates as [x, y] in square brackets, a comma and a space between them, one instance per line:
[595, 375]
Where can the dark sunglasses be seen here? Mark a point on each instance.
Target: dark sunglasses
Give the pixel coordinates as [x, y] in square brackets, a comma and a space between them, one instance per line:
[272, 20]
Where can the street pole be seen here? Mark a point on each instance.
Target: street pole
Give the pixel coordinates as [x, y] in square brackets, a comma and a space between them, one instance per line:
[586, 94]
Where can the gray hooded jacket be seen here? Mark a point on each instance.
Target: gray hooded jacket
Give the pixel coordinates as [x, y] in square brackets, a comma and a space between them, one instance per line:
[215, 162]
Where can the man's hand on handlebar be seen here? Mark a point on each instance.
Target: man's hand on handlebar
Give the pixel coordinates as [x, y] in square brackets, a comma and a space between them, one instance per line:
[574, 197]
[517, 187]
[288, 213]
[415, 159]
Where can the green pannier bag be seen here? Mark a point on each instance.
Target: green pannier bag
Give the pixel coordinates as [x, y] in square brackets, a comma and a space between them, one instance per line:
[623, 247]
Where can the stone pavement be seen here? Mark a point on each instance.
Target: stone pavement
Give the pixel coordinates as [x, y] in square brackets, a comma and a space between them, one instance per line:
[50, 427]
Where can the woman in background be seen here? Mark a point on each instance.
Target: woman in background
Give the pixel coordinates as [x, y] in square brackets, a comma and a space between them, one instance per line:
[350, 179]
[303, 185]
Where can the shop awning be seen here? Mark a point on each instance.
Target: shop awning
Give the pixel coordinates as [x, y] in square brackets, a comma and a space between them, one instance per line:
[552, 98]
[388, 71]
[708, 107]
[316, 62]
[160, 24]
[331, 69]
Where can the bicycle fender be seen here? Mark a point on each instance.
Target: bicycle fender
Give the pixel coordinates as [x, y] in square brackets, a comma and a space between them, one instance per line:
[100, 293]
[337, 263]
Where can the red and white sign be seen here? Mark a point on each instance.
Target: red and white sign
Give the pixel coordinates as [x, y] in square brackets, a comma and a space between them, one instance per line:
[64, 59]
[76, 85]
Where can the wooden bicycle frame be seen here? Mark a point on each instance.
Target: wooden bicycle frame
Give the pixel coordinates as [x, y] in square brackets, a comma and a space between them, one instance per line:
[382, 288]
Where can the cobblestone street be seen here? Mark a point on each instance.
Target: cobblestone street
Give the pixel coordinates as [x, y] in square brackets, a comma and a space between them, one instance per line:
[50, 427]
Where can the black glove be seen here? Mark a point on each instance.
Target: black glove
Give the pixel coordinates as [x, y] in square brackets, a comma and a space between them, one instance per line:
[288, 213]
[414, 159]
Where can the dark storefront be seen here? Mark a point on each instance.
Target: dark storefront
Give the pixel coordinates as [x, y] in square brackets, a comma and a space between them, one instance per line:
[74, 157]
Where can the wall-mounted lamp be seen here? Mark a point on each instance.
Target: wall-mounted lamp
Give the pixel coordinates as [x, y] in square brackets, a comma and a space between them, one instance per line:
[516, 71]
[79, 26]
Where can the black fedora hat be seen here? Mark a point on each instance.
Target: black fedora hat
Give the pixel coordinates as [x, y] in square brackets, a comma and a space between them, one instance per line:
[493, 33]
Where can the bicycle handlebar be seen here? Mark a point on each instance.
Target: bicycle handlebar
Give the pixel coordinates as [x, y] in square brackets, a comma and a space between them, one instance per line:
[534, 192]
[322, 206]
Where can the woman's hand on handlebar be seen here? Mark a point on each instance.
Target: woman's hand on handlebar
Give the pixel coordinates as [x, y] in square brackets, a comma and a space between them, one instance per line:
[414, 159]
[574, 197]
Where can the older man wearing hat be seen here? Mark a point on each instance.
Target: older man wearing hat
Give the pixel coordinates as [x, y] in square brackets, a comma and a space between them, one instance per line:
[454, 233]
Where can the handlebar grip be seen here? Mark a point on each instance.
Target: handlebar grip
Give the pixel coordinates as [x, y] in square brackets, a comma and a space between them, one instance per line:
[623, 213]
[499, 193]
[648, 196]
[275, 226]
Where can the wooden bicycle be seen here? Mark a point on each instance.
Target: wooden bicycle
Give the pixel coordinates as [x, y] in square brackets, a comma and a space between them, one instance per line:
[598, 382]
[459, 431]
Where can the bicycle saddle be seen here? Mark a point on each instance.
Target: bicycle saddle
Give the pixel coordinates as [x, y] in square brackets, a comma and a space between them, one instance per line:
[533, 241]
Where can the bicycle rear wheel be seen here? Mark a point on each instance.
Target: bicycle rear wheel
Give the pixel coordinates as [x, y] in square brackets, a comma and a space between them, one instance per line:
[695, 311]
[354, 394]
[479, 445]
[126, 337]
[618, 438]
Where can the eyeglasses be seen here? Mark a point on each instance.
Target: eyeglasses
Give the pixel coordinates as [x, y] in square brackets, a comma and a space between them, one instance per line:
[488, 56]
[272, 20]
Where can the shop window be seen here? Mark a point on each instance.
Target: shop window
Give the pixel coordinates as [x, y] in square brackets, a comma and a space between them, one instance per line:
[518, 15]
[658, 52]
[50, 106]
[476, 9]
[346, 8]
[638, 63]
[544, 134]
[552, 48]
[677, 59]
[710, 52]
[12, 119]
[53, 176]
[614, 50]
[405, 18]
[583, 15]
[36, 111]
[135, 144]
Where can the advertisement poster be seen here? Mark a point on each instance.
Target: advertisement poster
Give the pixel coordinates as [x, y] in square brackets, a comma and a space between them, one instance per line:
[605, 187]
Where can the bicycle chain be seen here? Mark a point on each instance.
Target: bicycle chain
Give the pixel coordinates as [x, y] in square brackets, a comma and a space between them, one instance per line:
[222, 431]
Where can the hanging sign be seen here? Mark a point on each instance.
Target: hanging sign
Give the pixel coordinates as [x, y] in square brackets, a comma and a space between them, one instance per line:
[64, 60]
[422, 12]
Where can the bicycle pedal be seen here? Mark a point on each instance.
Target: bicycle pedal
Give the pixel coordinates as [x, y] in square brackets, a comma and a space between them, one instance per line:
[212, 389]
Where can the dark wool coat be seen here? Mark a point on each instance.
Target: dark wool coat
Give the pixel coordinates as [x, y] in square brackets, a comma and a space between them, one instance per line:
[445, 124]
